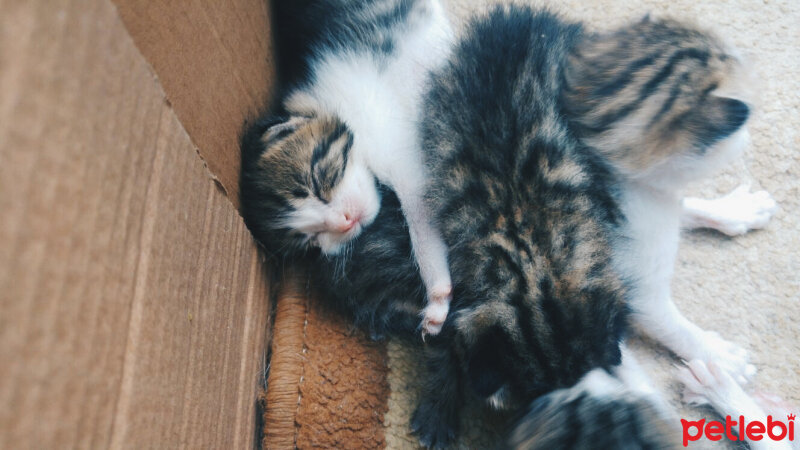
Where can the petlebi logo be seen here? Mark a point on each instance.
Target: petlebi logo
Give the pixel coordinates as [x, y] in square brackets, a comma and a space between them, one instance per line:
[738, 430]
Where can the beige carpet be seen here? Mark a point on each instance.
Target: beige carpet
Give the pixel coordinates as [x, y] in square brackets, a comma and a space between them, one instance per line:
[747, 288]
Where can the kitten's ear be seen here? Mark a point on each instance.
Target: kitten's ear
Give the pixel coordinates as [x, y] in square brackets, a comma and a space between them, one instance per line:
[280, 127]
[721, 117]
[257, 135]
[486, 369]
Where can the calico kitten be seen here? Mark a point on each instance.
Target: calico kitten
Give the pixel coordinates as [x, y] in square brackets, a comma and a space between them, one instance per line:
[308, 178]
[665, 104]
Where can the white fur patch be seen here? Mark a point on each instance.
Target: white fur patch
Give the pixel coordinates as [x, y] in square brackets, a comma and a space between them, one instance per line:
[734, 214]
[654, 212]
[498, 400]
[380, 101]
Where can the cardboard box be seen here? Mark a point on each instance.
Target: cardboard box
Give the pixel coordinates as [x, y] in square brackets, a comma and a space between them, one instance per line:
[133, 301]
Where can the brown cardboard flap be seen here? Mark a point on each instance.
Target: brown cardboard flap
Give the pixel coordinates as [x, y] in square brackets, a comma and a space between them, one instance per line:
[214, 59]
[134, 306]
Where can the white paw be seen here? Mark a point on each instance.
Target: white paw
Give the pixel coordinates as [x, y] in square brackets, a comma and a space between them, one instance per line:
[435, 313]
[728, 356]
[706, 383]
[742, 211]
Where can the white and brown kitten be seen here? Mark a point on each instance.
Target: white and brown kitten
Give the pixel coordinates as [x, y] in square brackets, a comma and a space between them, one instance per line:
[308, 177]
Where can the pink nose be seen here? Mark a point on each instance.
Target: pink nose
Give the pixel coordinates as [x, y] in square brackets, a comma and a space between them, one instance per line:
[350, 220]
[346, 226]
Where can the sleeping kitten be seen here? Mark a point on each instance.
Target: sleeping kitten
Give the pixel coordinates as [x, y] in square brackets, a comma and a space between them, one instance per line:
[533, 213]
[665, 104]
[617, 410]
[530, 217]
[308, 178]
[556, 158]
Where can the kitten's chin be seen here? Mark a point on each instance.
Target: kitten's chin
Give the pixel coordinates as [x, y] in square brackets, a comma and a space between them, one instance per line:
[332, 243]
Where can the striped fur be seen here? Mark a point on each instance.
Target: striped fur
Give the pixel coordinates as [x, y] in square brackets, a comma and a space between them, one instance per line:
[534, 131]
[529, 131]
[530, 218]
[663, 101]
[598, 412]
[653, 91]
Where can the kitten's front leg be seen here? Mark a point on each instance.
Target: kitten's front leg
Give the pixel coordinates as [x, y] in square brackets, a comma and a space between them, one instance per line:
[430, 253]
[734, 214]
[400, 165]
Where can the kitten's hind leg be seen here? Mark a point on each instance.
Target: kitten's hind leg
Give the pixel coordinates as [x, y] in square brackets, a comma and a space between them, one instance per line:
[734, 214]
[712, 385]
[659, 318]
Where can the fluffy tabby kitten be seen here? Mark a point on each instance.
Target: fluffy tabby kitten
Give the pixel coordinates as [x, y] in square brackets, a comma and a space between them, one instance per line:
[308, 177]
[530, 217]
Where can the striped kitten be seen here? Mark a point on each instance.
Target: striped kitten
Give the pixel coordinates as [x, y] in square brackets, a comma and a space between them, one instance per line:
[308, 177]
[557, 157]
[530, 217]
[664, 103]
